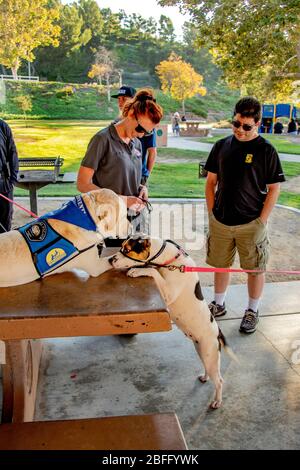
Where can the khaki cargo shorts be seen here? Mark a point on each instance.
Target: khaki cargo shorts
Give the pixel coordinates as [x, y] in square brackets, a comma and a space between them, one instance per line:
[250, 240]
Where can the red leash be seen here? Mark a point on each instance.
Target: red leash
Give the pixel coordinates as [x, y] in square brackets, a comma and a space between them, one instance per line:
[192, 269]
[20, 207]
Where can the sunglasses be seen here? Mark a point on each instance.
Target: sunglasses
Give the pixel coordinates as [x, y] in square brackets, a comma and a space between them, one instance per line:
[245, 127]
[141, 130]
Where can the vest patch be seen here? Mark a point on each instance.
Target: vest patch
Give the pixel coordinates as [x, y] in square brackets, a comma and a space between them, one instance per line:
[36, 232]
[55, 255]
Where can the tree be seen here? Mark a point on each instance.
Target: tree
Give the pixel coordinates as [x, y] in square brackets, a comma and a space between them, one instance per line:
[104, 66]
[92, 20]
[73, 33]
[111, 27]
[25, 104]
[60, 63]
[166, 29]
[179, 79]
[24, 26]
[255, 42]
[99, 71]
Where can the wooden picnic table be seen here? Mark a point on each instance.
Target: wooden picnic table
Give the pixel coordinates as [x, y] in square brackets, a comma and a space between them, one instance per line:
[64, 305]
[192, 129]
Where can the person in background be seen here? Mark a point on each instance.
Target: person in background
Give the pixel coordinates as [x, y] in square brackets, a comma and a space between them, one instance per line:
[124, 94]
[114, 156]
[243, 184]
[292, 127]
[9, 166]
[175, 123]
[149, 154]
[278, 127]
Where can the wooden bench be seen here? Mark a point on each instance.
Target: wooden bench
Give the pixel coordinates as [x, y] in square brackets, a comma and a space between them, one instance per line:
[38, 173]
[144, 432]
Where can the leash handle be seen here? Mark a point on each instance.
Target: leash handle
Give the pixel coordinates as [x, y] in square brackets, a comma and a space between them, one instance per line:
[191, 269]
[32, 214]
[147, 203]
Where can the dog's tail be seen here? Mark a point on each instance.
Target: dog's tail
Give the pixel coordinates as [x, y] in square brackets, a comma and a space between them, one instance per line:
[223, 343]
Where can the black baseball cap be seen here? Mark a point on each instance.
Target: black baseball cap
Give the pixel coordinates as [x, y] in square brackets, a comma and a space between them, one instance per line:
[125, 91]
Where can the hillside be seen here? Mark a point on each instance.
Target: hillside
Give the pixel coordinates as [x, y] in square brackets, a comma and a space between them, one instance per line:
[55, 100]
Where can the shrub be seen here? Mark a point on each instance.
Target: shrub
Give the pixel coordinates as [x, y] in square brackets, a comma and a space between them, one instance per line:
[65, 92]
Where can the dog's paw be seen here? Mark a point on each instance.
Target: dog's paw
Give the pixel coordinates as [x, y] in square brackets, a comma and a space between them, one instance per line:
[203, 378]
[134, 272]
[215, 404]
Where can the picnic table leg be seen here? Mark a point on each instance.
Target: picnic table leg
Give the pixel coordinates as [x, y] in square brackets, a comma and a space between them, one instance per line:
[20, 379]
[33, 198]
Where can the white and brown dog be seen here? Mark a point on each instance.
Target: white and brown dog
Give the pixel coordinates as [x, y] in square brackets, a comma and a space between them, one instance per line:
[64, 239]
[182, 294]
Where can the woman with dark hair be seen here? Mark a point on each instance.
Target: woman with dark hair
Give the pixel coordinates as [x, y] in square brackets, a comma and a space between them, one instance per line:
[114, 156]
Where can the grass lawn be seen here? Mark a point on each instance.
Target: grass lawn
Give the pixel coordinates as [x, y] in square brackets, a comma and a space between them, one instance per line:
[173, 153]
[178, 180]
[282, 143]
[70, 139]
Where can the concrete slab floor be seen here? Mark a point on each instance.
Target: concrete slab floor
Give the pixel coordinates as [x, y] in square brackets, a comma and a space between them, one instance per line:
[157, 372]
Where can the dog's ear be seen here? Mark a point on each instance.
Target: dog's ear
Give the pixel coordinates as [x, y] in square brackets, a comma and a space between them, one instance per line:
[107, 217]
[111, 212]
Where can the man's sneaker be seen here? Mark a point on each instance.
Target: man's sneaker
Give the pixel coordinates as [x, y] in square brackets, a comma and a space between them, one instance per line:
[249, 321]
[217, 310]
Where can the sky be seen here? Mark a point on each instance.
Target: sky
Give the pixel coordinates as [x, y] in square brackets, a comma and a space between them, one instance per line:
[146, 8]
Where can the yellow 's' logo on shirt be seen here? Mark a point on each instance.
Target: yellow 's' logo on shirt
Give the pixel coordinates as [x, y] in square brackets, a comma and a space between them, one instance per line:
[249, 158]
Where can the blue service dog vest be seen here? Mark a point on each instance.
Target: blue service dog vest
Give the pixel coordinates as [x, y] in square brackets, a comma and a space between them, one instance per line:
[49, 249]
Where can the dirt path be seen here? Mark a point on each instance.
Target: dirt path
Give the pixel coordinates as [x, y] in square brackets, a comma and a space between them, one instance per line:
[284, 227]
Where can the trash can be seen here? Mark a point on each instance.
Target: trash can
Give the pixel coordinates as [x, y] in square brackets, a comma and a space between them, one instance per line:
[202, 173]
[162, 135]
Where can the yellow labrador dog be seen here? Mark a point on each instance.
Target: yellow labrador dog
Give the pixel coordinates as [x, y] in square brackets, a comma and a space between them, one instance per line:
[161, 259]
[63, 239]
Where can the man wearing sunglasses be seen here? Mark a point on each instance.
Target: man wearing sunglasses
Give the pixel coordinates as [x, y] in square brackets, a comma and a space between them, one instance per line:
[243, 185]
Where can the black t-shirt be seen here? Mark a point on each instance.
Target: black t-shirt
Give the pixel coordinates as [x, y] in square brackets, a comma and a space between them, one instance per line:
[244, 169]
[292, 126]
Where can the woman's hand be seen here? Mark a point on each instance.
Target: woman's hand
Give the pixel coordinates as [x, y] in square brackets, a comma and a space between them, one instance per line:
[134, 203]
[143, 194]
